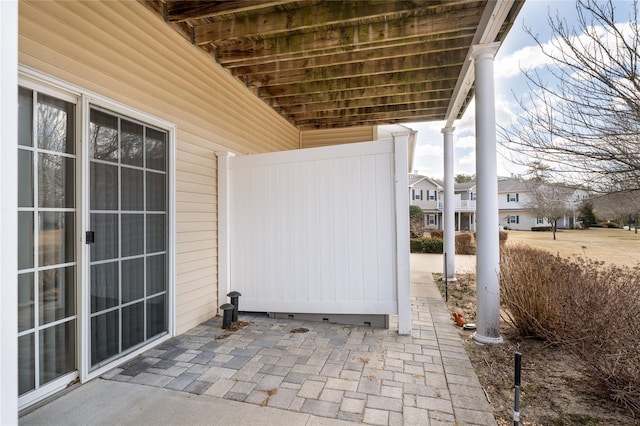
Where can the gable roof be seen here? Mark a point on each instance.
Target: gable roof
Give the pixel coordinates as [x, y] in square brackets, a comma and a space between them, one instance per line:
[464, 186]
[415, 179]
[513, 185]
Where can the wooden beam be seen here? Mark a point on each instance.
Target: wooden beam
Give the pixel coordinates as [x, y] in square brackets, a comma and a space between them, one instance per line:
[339, 112]
[371, 119]
[313, 81]
[446, 62]
[368, 82]
[226, 59]
[431, 52]
[381, 105]
[368, 102]
[384, 89]
[315, 17]
[181, 10]
[366, 96]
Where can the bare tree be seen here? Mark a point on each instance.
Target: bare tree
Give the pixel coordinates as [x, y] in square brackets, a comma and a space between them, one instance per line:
[623, 207]
[550, 202]
[582, 116]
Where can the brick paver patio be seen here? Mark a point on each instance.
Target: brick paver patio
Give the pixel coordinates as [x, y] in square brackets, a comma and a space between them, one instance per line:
[354, 373]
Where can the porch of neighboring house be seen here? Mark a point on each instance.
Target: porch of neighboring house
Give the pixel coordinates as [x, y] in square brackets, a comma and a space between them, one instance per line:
[282, 371]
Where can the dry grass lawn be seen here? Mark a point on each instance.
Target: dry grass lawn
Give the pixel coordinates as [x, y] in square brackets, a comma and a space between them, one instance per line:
[557, 389]
[616, 246]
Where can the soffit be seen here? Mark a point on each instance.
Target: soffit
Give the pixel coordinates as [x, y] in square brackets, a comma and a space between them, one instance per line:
[331, 64]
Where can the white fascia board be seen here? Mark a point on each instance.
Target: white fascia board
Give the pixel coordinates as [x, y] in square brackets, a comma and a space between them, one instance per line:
[492, 19]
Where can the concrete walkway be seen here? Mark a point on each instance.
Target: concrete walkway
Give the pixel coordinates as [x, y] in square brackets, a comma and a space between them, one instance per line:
[266, 375]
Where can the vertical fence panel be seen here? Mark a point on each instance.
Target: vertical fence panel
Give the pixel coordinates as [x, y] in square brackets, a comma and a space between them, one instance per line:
[314, 231]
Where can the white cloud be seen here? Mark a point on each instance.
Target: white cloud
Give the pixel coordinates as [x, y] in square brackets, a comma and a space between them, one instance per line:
[526, 58]
[468, 141]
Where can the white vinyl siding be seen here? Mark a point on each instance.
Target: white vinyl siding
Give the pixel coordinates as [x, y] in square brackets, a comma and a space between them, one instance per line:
[122, 51]
[327, 137]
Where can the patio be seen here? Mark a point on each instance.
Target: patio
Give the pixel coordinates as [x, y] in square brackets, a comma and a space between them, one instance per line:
[330, 372]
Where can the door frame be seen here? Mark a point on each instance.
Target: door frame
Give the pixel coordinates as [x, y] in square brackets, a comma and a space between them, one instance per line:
[37, 80]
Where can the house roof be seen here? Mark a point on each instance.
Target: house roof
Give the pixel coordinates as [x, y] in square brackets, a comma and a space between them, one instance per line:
[465, 186]
[330, 64]
[414, 179]
[513, 185]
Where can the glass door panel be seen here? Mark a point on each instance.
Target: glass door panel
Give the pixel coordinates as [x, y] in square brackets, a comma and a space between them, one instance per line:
[47, 320]
[128, 215]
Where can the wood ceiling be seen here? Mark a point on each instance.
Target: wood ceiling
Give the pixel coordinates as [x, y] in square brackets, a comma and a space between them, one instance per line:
[329, 64]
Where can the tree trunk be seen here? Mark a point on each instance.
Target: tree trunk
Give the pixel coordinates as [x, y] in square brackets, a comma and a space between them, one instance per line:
[555, 224]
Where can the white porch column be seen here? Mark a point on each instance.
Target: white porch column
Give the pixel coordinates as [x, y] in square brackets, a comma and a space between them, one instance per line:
[488, 249]
[8, 212]
[448, 216]
[403, 273]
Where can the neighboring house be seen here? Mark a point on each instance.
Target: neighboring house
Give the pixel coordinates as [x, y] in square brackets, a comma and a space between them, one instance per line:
[428, 194]
[465, 199]
[425, 193]
[514, 203]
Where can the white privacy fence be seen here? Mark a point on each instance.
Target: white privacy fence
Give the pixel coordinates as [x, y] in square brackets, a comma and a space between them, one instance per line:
[315, 230]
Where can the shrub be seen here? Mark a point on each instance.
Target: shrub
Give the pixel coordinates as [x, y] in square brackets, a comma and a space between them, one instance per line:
[425, 245]
[541, 228]
[502, 236]
[437, 233]
[605, 225]
[585, 306]
[464, 244]
[416, 222]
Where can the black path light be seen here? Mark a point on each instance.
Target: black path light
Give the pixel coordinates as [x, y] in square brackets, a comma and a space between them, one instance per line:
[234, 295]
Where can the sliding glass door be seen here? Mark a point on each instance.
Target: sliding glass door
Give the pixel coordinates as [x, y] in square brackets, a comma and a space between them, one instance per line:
[129, 234]
[47, 288]
[115, 292]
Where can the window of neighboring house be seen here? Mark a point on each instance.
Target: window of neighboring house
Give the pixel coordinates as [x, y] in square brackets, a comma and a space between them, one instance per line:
[514, 219]
[416, 194]
[539, 220]
[513, 198]
[431, 195]
[431, 219]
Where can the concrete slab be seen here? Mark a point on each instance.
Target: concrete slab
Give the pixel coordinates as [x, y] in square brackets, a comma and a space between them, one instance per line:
[106, 402]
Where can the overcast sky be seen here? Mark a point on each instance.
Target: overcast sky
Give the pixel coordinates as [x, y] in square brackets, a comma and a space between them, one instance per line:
[519, 51]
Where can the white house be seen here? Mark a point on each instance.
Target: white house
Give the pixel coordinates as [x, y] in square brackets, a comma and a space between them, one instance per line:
[514, 203]
[425, 193]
